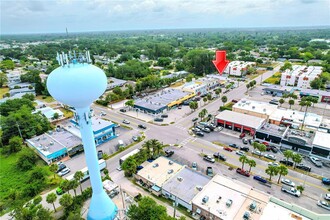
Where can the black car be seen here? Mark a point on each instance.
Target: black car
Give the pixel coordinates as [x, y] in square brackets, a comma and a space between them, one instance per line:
[304, 167]
[219, 156]
[286, 162]
[169, 153]
[273, 149]
[142, 126]
[233, 145]
[164, 116]
[246, 149]
[199, 133]
[159, 119]
[61, 167]
[122, 110]
[100, 154]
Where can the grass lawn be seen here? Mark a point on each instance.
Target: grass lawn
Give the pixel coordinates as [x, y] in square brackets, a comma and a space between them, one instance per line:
[177, 84]
[47, 99]
[3, 91]
[67, 113]
[274, 79]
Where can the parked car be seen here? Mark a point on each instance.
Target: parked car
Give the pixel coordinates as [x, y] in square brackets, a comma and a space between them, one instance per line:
[195, 129]
[316, 161]
[273, 164]
[199, 133]
[164, 116]
[245, 141]
[288, 182]
[323, 204]
[290, 190]
[159, 119]
[228, 149]
[122, 110]
[169, 153]
[195, 119]
[251, 141]
[242, 172]
[64, 171]
[135, 138]
[61, 167]
[233, 145]
[286, 162]
[246, 149]
[327, 196]
[242, 135]
[270, 156]
[100, 154]
[219, 156]
[207, 130]
[142, 126]
[209, 171]
[209, 158]
[256, 152]
[326, 181]
[304, 167]
[103, 113]
[260, 179]
[126, 121]
[194, 166]
[273, 149]
[240, 153]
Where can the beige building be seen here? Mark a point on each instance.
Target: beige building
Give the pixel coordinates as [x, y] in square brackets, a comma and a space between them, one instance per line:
[254, 108]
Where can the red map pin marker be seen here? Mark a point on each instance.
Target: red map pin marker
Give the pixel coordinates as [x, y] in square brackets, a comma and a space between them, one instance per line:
[220, 61]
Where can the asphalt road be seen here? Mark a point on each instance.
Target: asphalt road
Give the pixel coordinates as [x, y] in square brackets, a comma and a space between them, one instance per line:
[192, 147]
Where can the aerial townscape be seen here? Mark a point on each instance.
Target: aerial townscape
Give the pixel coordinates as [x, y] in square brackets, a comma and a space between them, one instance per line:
[144, 124]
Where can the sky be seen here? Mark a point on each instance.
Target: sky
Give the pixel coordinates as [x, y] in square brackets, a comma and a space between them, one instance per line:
[50, 16]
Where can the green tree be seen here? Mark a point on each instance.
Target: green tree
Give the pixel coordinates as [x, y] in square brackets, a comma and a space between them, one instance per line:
[261, 148]
[224, 99]
[56, 116]
[204, 100]
[287, 65]
[202, 113]
[243, 159]
[65, 185]
[291, 102]
[281, 101]
[209, 97]
[51, 198]
[247, 87]
[79, 176]
[130, 103]
[7, 65]
[297, 158]
[199, 62]
[193, 105]
[15, 144]
[3, 79]
[189, 77]
[283, 171]
[252, 163]
[156, 146]
[288, 154]
[129, 166]
[73, 184]
[300, 188]
[255, 145]
[26, 159]
[316, 83]
[66, 200]
[53, 168]
[271, 171]
[12, 105]
[147, 208]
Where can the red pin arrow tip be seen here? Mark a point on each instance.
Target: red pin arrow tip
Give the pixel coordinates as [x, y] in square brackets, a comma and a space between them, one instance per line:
[220, 61]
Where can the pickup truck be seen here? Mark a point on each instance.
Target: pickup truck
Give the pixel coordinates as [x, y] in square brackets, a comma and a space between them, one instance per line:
[243, 172]
[291, 190]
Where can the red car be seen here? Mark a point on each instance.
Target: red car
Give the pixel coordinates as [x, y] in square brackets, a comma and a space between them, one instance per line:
[242, 135]
[243, 172]
[265, 143]
[228, 149]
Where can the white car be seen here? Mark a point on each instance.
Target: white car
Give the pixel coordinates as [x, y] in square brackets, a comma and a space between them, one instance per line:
[323, 204]
[327, 196]
[126, 121]
[273, 164]
[240, 153]
[288, 182]
[64, 171]
[256, 152]
[270, 156]
[194, 166]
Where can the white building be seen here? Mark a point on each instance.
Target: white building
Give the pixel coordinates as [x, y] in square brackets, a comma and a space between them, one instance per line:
[238, 68]
[300, 76]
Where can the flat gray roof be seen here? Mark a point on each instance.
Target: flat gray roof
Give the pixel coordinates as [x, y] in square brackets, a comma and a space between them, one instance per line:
[184, 184]
[160, 99]
[113, 82]
[273, 129]
[315, 92]
[322, 139]
[242, 119]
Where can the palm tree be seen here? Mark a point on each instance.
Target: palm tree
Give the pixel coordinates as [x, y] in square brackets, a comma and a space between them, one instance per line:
[283, 171]
[202, 113]
[79, 176]
[73, 185]
[271, 171]
[129, 103]
[261, 148]
[65, 185]
[297, 158]
[300, 188]
[243, 159]
[193, 106]
[291, 102]
[53, 168]
[281, 101]
[147, 145]
[66, 200]
[157, 146]
[252, 163]
[51, 198]
[224, 99]
[288, 154]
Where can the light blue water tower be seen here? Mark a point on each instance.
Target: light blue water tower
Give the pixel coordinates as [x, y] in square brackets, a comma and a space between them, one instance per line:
[78, 83]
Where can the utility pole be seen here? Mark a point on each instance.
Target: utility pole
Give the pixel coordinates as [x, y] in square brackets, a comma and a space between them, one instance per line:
[19, 130]
[175, 204]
